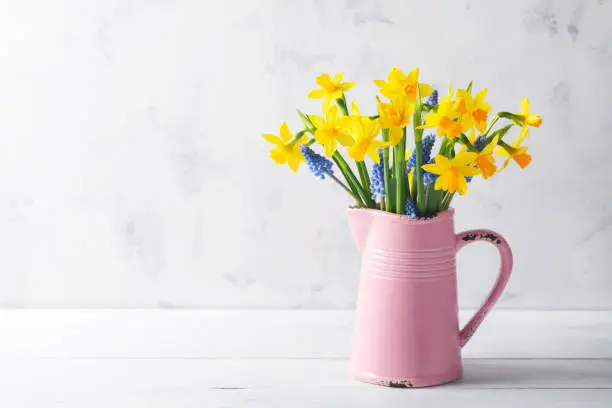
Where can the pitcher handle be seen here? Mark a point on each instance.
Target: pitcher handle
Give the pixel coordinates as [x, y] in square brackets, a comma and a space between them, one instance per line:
[505, 253]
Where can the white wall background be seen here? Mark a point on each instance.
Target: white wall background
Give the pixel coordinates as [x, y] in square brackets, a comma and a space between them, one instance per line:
[133, 174]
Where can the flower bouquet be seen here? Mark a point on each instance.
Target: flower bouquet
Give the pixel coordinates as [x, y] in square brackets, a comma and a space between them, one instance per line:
[412, 181]
[406, 326]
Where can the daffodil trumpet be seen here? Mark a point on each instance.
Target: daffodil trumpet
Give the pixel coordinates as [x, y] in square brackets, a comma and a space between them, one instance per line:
[401, 169]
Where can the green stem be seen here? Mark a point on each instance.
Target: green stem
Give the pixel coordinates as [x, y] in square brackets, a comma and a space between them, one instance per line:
[342, 104]
[343, 169]
[352, 180]
[298, 136]
[413, 188]
[433, 199]
[506, 146]
[448, 201]
[491, 124]
[499, 132]
[363, 175]
[400, 175]
[351, 193]
[444, 148]
[445, 202]
[463, 139]
[418, 145]
[363, 188]
[386, 173]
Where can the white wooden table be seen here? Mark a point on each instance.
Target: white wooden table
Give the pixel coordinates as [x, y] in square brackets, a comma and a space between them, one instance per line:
[288, 359]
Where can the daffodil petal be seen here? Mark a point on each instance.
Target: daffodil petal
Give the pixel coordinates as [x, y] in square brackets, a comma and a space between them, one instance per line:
[395, 135]
[294, 164]
[432, 168]
[330, 148]
[317, 121]
[442, 183]
[425, 90]
[408, 153]
[396, 75]
[344, 139]
[461, 185]
[470, 171]
[316, 94]
[479, 98]
[324, 81]
[525, 106]
[285, 133]
[380, 83]
[505, 164]
[413, 76]
[278, 155]
[442, 162]
[347, 85]
[373, 153]
[463, 159]
[272, 139]
[303, 139]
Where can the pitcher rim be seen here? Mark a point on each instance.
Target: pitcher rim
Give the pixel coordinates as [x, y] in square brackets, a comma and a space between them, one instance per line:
[440, 217]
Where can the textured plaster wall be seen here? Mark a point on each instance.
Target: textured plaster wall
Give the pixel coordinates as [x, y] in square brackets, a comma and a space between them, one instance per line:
[133, 174]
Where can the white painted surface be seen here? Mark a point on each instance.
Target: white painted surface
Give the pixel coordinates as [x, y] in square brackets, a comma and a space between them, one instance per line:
[219, 359]
[271, 334]
[118, 186]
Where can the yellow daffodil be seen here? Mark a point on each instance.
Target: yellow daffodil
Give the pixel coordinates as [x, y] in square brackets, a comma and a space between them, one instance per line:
[330, 88]
[354, 119]
[474, 111]
[444, 119]
[452, 173]
[402, 85]
[286, 150]
[515, 152]
[364, 133]
[330, 131]
[410, 176]
[527, 118]
[395, 116]
[485, 161]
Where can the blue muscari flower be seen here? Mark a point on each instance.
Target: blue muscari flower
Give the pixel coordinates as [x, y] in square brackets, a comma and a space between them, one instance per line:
[428, 142]
[433, 98]
[468, 178]
[428, 177]
[410, 208]
[377, 182]
[318, 165]
[480, 143]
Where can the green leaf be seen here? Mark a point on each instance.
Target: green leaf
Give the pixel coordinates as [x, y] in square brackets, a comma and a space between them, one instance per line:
[500, 132]
[433, 200]
[390, 198]
[306, 121]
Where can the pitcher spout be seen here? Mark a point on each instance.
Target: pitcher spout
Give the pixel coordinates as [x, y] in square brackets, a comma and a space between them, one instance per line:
[360, 222]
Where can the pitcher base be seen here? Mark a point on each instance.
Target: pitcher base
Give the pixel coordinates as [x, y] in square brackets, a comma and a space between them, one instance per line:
[411, 382]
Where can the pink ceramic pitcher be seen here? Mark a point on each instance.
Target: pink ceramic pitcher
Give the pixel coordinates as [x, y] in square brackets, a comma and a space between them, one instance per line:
[407, 324]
